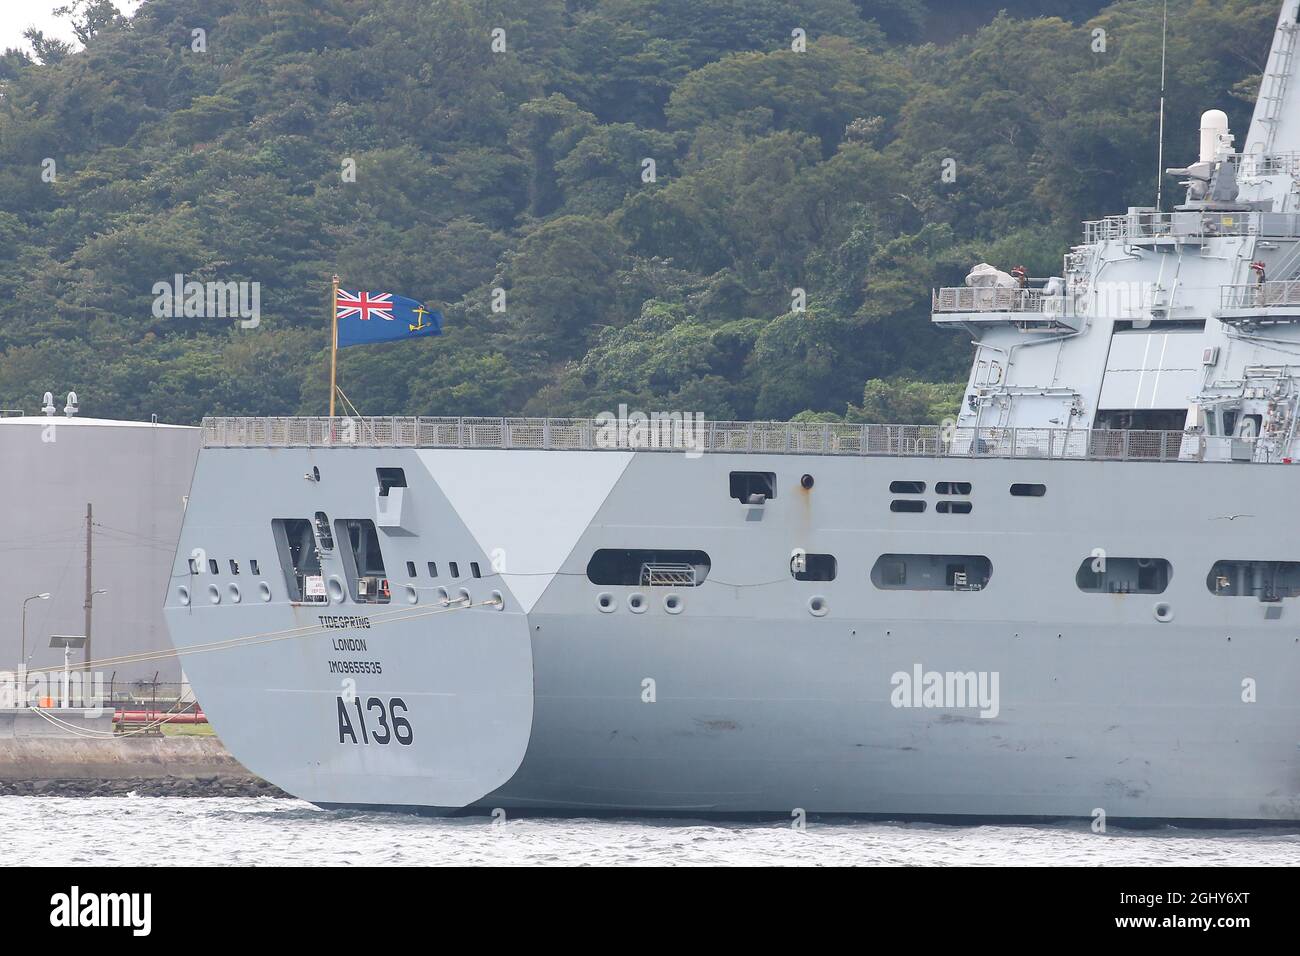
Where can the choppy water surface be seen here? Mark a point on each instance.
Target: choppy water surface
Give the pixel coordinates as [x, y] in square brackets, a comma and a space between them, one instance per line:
[172, 830]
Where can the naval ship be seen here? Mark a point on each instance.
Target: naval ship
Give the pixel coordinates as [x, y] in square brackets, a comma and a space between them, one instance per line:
[1080, 597]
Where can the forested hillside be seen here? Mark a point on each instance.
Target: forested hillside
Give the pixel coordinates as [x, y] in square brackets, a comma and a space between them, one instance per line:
[525, 170]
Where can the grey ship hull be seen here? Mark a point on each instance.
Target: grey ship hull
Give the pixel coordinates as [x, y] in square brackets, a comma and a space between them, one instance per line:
[759, 706]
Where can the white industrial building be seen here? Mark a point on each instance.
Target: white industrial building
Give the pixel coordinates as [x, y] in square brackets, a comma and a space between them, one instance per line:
[135, 477]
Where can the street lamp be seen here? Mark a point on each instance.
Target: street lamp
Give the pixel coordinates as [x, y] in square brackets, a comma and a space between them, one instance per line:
[43, 596]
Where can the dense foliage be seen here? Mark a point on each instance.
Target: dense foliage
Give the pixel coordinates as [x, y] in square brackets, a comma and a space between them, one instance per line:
[524, 171]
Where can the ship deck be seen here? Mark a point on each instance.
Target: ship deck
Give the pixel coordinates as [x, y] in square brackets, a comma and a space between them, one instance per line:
[678, 434]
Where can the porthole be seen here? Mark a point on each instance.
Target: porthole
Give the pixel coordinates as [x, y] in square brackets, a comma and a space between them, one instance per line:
[636, 603]
[264, 591]
[673, 604]
[233, 591]
[817, 606]
[1164, 612]
[605, 601]
[183, 595]
[412, 597]
[214, 594]
[336, 590]
[806, 481]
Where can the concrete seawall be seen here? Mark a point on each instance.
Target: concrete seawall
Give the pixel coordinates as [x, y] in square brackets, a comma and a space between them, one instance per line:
[174, 766]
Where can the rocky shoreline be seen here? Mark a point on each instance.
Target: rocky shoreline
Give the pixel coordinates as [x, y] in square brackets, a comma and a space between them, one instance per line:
[163, 786]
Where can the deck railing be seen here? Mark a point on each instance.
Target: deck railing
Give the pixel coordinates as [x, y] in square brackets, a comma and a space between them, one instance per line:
[1272, 164]
[695, 436]
[1190, 225]
[1261, 295]
[993, 299]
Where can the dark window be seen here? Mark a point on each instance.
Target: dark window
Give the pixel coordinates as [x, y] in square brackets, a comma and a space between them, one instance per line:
[1028, 491]
[1265, 580]
[410, 569]
[815, 567]
[252, 566]
[323, 531]
[433, 569]
[194, 566]
[647, 567]
[363, 561]
[931, 572]
[952, 487]
[234, 566]
[390, 478]
[1106, 575]
[953, 507]
[295, 542]
[907, 487]
[454, 568]
[912, 505]
[746, 484]
[473, 569]
[213, 566]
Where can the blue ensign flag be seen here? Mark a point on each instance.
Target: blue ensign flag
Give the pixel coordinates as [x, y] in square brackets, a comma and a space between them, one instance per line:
[366, 317]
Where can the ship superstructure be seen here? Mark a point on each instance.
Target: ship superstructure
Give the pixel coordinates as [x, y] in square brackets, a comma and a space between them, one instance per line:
[1079, 598]
[1163, 320]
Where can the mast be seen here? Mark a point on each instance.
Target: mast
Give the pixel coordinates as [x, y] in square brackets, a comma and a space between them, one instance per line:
[1275, 127]
[334, 342]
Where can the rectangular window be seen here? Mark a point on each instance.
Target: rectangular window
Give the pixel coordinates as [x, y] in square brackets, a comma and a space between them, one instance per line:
[433, 569]
[194, 566]
[234, 566]
[454, 568]
[1264, 580]
[390, 478]
[473, 569]
[749, 486]
[952, 487]
[953, 507]
[813, 567]
[213, 566]
[907, 487]
[1028, 491]
[907, 506]
[648, 567]
[932, 572]
[252, 566]
[295, 543]
[363, 562]
[1106, 575]
[410, 569]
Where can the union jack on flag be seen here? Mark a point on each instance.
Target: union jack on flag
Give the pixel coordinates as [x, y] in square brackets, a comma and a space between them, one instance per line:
[364, 305]
[398, 318]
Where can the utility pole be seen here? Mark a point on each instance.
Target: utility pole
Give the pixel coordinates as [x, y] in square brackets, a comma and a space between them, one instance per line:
[90, 597]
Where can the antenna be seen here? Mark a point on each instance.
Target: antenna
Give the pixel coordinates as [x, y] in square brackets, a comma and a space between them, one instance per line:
[1160, 161]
